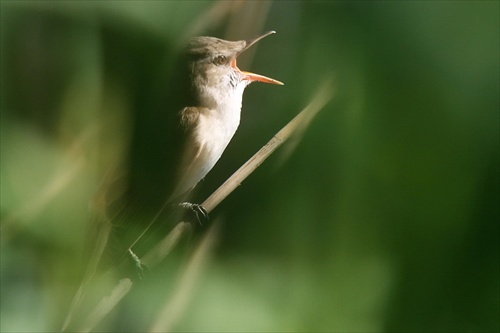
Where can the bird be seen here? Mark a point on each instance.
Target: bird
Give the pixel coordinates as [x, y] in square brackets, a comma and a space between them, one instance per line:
[218, 85]
[184, 143]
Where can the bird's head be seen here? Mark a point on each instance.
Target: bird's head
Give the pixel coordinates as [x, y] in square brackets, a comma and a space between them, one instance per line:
[213, 68]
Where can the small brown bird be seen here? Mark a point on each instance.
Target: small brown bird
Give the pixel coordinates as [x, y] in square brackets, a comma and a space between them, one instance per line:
[217, 84]
[187, 150]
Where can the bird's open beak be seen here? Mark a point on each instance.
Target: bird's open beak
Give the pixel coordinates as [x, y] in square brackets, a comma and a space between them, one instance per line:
[252, 76]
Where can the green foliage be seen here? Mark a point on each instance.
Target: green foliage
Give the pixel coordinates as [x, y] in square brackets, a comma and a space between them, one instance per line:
[384, 218]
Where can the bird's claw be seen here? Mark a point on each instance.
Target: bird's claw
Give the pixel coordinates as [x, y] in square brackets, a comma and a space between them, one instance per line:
[139, 266]
[199, 211]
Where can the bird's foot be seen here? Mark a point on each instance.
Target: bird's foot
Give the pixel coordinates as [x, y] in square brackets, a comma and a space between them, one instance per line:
[139, 267]
[199, 211]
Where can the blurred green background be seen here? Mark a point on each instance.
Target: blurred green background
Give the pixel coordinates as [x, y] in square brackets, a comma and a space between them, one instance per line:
[385, 217]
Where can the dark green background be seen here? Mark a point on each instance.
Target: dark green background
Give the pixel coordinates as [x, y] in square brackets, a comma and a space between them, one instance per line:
[384, 218]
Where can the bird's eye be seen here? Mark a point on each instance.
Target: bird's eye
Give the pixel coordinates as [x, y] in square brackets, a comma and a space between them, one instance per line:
[220, 60]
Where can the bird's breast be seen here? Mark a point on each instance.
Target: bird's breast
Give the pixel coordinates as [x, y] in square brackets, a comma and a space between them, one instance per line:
[215, 130]
[208, 140]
